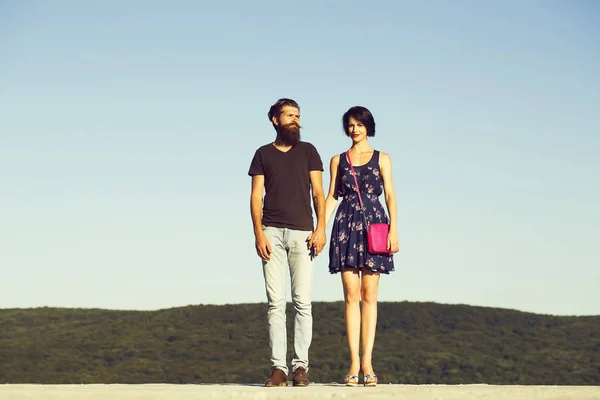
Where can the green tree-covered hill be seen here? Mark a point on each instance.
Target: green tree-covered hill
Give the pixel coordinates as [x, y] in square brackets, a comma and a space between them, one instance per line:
[416, 343]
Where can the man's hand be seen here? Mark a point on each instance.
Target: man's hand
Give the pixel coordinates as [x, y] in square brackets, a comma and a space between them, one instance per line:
[317, 240]
[263, 247]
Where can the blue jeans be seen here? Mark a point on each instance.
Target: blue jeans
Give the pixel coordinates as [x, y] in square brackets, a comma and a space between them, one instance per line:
[289, 252]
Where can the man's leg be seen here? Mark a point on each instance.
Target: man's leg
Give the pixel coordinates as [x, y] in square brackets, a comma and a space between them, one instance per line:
[301, 272]
[275, 273]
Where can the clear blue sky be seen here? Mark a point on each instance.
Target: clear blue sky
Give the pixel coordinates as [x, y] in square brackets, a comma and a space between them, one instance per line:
[127, 129]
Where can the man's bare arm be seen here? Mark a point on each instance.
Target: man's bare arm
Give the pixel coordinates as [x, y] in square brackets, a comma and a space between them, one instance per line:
[263, 247]
[318, 237]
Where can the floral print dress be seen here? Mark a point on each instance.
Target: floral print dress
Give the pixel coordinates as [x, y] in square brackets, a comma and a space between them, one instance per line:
[348, 244]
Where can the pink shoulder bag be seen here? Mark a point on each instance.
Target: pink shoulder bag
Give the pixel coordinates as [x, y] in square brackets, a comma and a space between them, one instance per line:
[377, 234]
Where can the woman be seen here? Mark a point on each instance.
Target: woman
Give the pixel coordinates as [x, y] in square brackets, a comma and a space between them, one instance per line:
[348, 251]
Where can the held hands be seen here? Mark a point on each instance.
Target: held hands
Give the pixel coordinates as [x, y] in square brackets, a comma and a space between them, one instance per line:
[263, 247]
[317, 240]
[393, 245]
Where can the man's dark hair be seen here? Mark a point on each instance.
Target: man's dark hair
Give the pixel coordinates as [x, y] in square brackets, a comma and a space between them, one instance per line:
[275, 109]
[362, 115]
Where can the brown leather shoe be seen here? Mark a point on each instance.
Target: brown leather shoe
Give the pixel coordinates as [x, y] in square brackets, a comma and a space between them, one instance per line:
[278, 378]
[299, 378]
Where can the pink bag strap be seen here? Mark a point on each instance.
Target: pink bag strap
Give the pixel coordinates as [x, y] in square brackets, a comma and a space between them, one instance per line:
[362, 207]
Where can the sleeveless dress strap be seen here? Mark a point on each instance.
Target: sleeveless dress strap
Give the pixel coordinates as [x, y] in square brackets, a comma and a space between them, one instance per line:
[376, 157]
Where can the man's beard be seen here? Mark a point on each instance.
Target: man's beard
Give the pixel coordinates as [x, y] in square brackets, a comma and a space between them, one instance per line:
[289, 134]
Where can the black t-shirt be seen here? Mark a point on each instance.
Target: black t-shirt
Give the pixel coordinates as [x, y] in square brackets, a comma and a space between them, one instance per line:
[287, 184]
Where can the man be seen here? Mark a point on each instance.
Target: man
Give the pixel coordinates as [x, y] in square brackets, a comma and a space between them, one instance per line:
[288, 170]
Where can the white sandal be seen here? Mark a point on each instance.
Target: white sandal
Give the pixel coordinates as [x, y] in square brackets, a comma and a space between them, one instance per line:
[370, 380]
[351, 380]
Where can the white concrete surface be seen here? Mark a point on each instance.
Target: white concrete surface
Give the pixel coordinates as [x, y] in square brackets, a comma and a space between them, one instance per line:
[315, 391]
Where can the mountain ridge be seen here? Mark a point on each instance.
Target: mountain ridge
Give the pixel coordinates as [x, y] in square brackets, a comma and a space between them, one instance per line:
[416, 343]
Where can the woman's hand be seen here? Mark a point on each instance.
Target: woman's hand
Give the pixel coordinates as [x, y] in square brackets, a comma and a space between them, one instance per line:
[392, 243]
[317, 240]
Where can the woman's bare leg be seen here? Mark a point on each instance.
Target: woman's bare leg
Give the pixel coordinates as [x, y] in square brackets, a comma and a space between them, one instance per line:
[369, 290]
[351, 285]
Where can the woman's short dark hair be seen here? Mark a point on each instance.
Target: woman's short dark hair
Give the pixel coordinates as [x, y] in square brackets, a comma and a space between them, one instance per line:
[275, 110]
[362, 115]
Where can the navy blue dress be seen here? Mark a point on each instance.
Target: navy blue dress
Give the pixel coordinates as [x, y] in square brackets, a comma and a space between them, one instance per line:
[348, 244]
